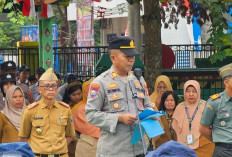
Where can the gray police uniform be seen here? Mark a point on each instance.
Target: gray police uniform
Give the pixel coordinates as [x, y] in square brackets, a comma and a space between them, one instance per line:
[218, 114]
[109, 97]
[34, 90]
[61, 90]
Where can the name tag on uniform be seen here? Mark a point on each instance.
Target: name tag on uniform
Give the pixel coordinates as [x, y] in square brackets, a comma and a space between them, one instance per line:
[189, 139]
[35, 118]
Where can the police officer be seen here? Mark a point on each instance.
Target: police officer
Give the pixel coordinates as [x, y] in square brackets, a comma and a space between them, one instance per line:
[10, 67]
[110, 105]
[216, 121]
[24, 74]
[47, 125]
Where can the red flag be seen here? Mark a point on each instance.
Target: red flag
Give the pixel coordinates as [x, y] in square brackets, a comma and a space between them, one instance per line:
[47, 11]
[28, 8]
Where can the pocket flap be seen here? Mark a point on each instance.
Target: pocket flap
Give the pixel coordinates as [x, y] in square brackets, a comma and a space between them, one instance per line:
[38, 122]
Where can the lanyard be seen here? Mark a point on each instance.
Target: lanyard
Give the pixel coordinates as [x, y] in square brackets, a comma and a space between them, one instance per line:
[170, 126]
[194, 114]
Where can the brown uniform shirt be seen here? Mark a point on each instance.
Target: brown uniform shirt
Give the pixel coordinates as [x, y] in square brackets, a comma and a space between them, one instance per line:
[167, 136]
[8, 132]
[47, 129]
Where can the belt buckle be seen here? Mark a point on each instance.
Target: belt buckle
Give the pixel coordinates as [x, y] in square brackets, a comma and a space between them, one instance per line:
[51, 155]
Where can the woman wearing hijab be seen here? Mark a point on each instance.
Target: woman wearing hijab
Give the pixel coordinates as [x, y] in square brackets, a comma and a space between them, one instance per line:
[162, 84]
[89, 134]
[169, 101]
[10, 116]
[186, 121]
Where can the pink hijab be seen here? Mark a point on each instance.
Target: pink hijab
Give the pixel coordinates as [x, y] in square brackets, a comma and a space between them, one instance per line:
[10, 111]
[180, 120]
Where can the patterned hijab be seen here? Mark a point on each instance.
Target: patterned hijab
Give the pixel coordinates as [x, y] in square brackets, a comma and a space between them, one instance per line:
[10, 111]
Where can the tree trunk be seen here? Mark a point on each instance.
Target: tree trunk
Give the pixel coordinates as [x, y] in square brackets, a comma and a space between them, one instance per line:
[153, 49]
[134, 25]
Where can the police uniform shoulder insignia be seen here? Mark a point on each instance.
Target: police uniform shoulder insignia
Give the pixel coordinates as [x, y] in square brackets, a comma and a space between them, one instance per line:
[94, 88]
[114, 75]
[32, 105]
[64, 104]
[215, 96]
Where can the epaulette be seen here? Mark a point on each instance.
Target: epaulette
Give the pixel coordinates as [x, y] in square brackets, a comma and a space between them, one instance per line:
[64, 104]
[215, 96]
[32, 105]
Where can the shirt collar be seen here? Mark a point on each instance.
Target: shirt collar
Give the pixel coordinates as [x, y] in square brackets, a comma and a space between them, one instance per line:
[226, 96]
[44, 105]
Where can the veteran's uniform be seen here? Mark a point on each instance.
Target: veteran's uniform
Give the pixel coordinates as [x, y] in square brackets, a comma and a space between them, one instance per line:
[218, 114]
[46, 128]
[109, 97]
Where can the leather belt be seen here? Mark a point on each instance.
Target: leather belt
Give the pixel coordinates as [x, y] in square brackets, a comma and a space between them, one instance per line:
[48, 155]
[224, 145]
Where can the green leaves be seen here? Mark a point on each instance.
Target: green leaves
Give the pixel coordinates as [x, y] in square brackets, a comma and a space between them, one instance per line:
[8, 5]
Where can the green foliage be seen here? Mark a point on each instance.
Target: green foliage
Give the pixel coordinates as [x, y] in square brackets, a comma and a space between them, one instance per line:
[218, 34]
[10, 31]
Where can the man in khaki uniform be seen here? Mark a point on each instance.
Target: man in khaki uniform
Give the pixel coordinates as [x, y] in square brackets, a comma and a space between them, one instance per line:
[47, 125]
[216, 120]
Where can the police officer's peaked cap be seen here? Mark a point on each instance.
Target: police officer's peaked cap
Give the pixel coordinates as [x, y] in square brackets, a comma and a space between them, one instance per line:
[24, 68]
[8, 65]
[40, 70]
[123, 43]
[226, 70]
[10, 77]
[49, 75]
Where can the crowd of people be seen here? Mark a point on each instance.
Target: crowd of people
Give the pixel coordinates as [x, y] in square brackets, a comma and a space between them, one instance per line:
[97, 117]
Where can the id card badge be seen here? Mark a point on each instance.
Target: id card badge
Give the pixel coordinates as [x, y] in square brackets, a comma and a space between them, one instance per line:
[189, 139]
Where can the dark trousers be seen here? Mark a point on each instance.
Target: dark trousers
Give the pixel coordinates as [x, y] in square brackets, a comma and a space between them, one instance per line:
[221, 151]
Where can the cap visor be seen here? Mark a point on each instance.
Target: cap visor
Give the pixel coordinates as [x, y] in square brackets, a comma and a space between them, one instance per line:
[129, 52]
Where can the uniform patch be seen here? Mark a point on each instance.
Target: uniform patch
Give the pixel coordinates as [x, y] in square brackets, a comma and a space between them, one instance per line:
[64, 104]
[32, 105]
[116, 105]
[137, 84]
[146, 89]
[215, 96]
[114, 75]
[140, 94]
[210, 107]
[94, 90]
[140, 103]
[112, 85]
[114, 96]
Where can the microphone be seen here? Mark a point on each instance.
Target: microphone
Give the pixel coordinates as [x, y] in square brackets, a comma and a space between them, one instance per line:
[138, 73]
[132, 86]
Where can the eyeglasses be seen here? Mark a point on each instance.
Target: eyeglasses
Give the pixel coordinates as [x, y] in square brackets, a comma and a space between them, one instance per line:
[160, 87]
[47, 87]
